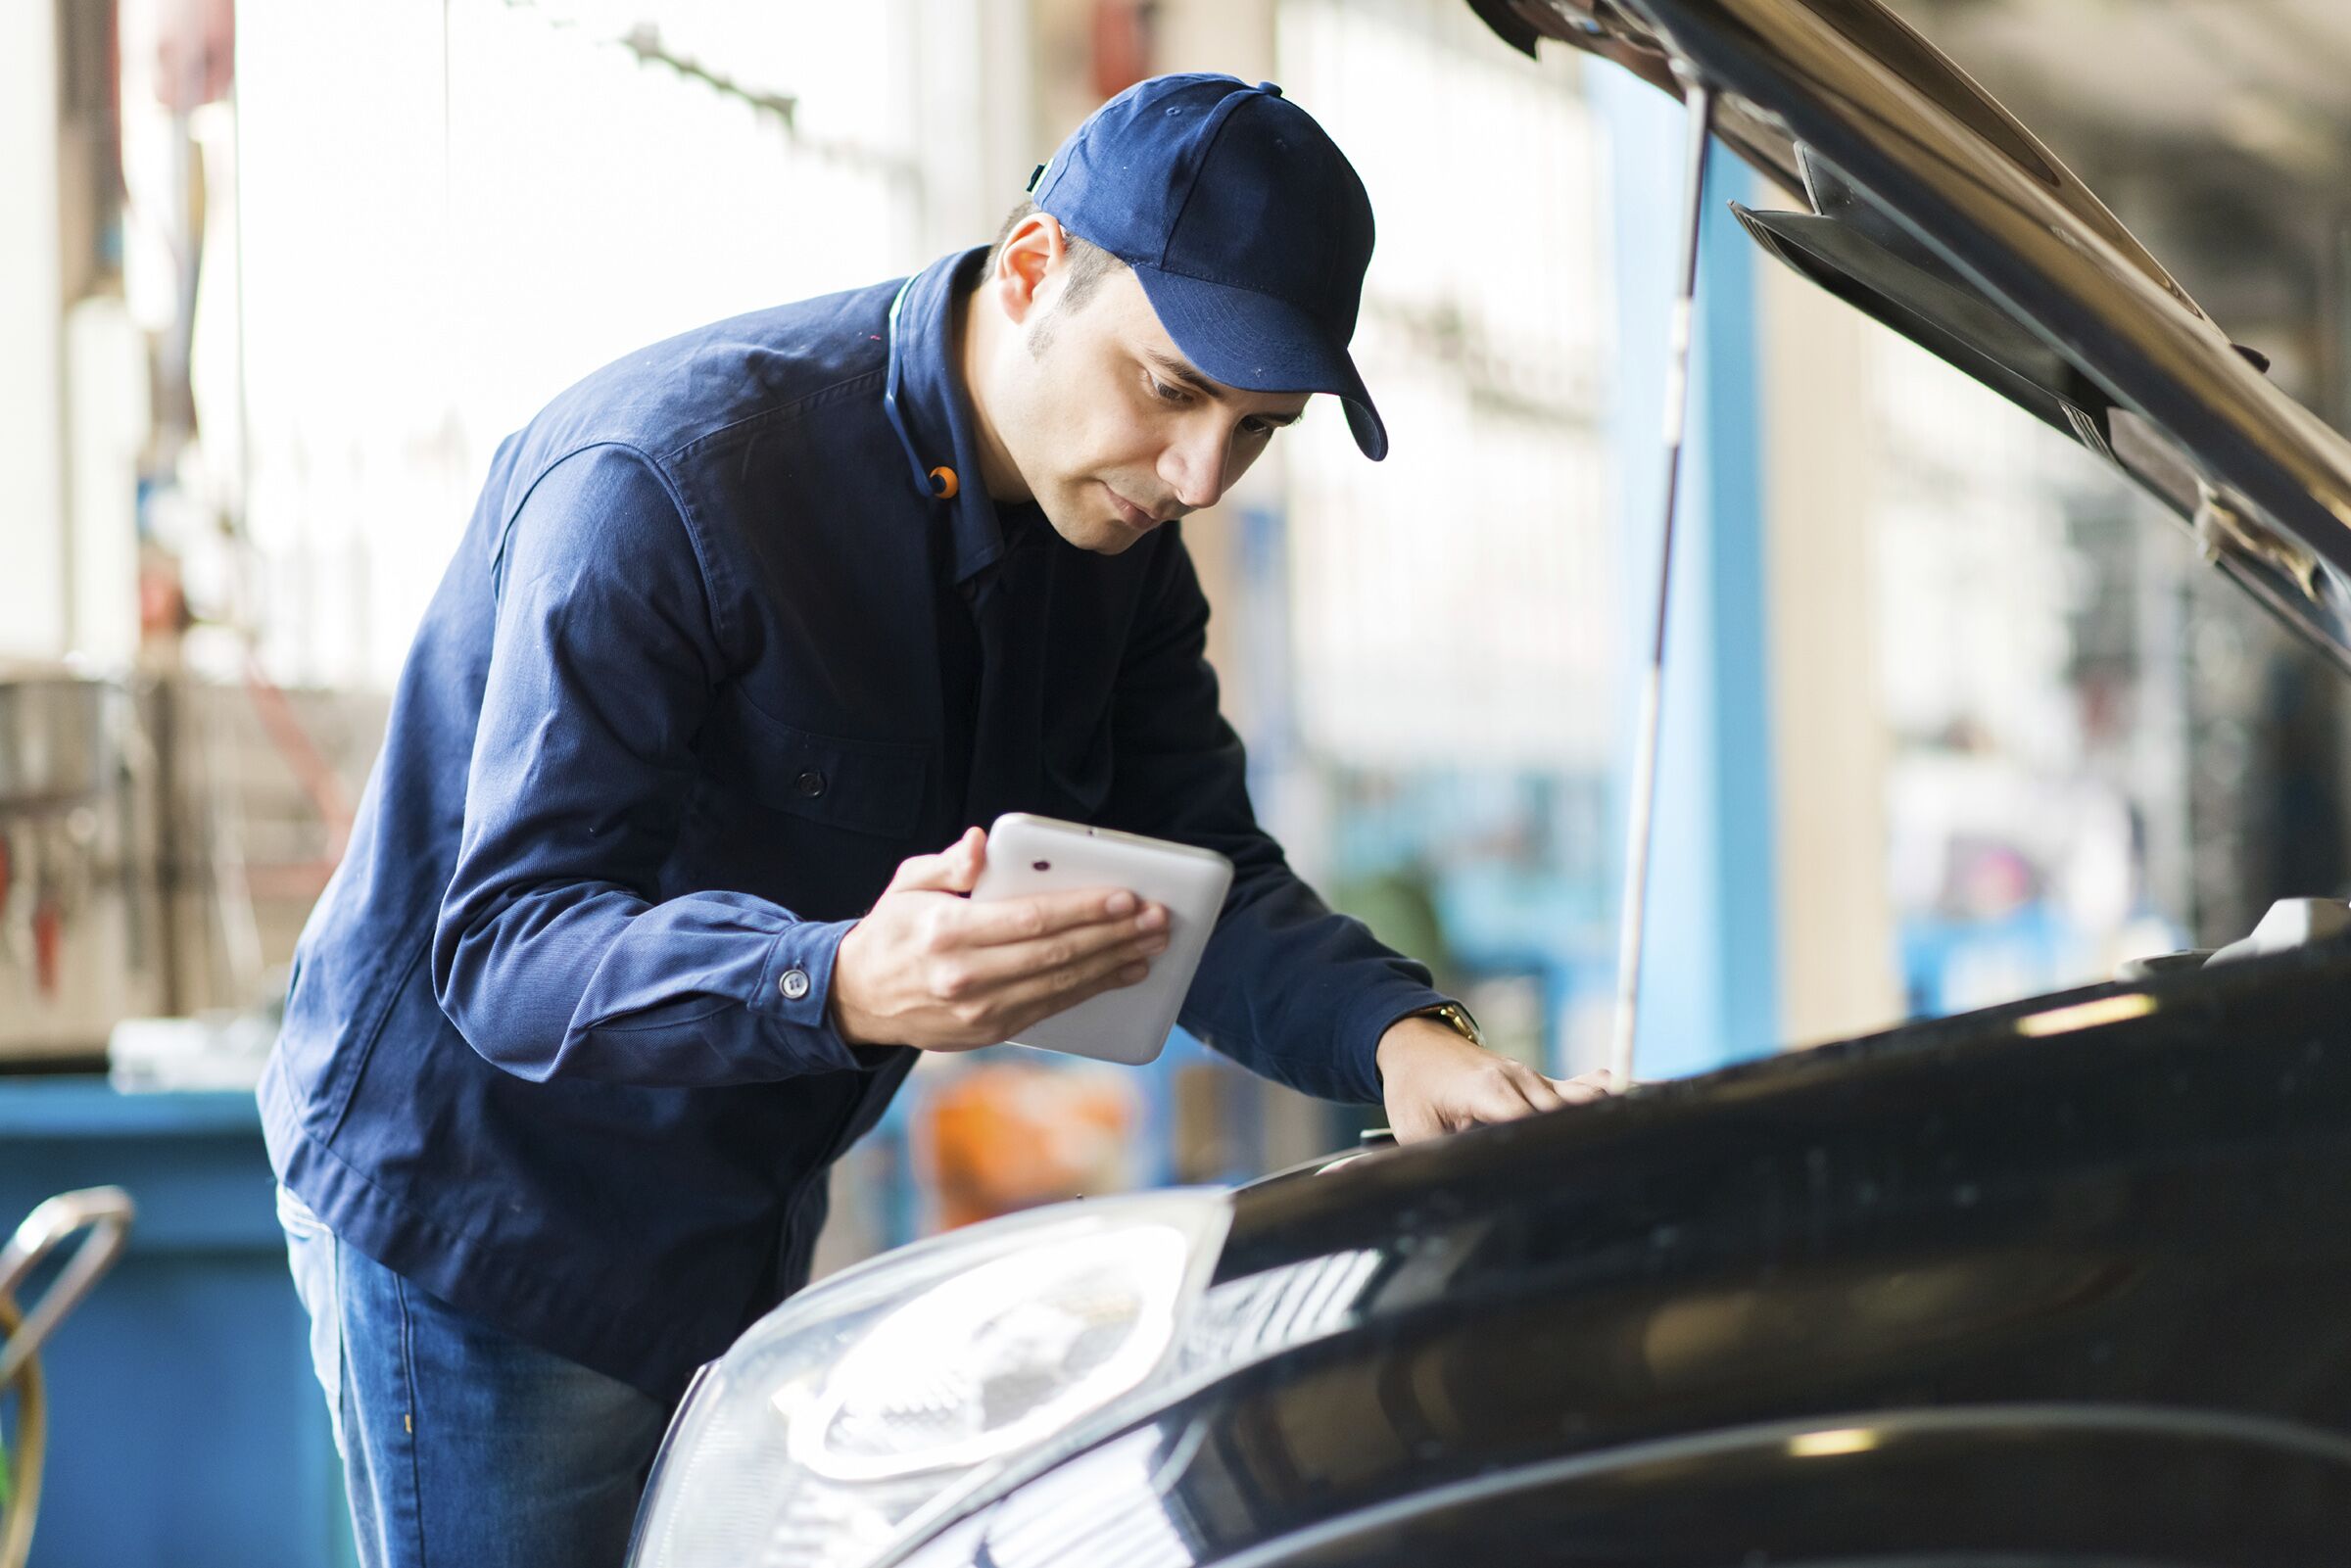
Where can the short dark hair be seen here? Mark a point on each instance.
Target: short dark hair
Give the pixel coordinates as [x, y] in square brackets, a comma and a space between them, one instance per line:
[1090, 263]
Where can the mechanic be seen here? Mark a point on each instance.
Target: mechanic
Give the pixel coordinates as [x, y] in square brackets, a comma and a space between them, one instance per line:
[631, 940]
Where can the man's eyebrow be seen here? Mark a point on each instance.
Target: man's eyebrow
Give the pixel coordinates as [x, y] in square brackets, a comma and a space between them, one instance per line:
[1181, 371]
[1176, 370]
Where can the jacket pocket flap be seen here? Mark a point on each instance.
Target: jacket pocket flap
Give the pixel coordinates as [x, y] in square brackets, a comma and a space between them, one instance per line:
[873, 786]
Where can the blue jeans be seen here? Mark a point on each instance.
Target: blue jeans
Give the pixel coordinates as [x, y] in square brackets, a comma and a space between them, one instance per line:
[463, 1447]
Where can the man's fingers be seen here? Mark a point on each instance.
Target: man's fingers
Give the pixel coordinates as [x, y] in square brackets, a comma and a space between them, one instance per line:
[922, 873]
[1042, 996]
[1010, 962]
[1585, 1087]
[1498, 1096]
[1540, 1092]
[1046, 915]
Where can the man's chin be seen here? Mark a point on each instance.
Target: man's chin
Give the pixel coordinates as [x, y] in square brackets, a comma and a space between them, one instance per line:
[1113, 540]
[1103, 536]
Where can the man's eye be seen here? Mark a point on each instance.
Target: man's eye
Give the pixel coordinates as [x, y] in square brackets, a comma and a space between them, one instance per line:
[1256, 427]
[1168, 394]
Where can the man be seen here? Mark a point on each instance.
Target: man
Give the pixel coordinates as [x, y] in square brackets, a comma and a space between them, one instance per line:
[632, 941]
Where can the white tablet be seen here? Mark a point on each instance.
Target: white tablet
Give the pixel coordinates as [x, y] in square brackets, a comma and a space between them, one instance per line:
[1029, 855]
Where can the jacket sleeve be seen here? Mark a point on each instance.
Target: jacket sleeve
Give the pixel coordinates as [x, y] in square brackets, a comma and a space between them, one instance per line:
[553, 954]
[1288, 988]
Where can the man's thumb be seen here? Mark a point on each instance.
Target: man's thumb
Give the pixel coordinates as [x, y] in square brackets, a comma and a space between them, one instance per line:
[952, 871]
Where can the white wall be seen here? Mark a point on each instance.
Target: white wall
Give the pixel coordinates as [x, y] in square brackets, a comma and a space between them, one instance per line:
[1466, 579]
[1830, 744]
[32, 537]
[436, 245]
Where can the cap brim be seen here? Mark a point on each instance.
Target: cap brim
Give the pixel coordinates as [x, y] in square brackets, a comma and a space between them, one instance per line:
[1257, 342]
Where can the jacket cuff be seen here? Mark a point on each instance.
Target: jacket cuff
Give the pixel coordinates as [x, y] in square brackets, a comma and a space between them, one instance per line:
[793, 1000]
[1366, 1020]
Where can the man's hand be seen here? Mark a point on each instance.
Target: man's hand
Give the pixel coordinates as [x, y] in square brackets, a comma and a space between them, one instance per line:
[929, 968]
[1435, 1081]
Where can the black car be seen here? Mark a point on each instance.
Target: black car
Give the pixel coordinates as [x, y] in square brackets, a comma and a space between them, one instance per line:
[2061, 1282]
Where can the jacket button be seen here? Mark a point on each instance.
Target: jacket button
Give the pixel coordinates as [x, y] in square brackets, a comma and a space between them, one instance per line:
[810, 783]
[794, 983]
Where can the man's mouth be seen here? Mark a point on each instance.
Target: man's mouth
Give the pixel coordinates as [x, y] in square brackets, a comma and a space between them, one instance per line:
[1133, 516]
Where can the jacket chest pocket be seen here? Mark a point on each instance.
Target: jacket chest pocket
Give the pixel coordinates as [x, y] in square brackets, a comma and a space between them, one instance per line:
[866, 787]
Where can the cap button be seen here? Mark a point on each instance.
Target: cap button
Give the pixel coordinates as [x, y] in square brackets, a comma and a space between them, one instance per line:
[1269, 89]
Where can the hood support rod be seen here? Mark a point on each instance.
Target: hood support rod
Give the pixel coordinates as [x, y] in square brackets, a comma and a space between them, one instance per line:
[1640, 825]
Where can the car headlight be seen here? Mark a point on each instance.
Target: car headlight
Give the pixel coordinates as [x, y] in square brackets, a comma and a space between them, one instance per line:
[898, 1386]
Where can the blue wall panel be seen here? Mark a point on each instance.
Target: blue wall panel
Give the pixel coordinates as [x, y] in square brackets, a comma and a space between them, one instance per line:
[1709, 992]
[186, 1430]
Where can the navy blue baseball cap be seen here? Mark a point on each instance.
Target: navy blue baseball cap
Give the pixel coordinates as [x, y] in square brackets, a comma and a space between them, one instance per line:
[1245, 223]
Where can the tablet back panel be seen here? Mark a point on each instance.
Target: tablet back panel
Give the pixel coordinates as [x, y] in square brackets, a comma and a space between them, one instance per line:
[1028, 854]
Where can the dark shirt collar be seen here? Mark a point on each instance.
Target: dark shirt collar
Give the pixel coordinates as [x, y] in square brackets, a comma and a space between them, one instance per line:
[928, 407]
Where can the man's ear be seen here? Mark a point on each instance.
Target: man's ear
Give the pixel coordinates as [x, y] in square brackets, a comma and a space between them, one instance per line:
[1029, 266]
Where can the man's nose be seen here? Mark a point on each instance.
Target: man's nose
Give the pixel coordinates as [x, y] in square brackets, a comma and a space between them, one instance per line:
[1194, 467]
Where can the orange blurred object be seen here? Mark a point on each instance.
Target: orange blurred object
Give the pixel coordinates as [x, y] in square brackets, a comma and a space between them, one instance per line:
[1001, 1136]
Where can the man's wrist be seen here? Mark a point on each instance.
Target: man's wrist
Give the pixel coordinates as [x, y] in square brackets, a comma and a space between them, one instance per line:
[837, 1008]
[1423, 1032]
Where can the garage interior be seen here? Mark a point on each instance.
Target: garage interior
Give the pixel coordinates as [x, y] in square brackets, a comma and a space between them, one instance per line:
[1953, 714]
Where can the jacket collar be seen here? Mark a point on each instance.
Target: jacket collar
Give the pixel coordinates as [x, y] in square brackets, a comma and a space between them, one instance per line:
[924, 399]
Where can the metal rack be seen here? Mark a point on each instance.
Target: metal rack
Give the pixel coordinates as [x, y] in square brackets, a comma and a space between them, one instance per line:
[101, 1216]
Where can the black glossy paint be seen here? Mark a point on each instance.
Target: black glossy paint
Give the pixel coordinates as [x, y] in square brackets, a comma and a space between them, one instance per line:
[1984, 1493]
[2086, 1290]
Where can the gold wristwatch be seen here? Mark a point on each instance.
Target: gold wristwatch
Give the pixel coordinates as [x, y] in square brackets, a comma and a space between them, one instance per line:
[1456, 1018]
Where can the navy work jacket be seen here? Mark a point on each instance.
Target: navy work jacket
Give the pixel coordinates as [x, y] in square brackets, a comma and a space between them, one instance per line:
[711, 660]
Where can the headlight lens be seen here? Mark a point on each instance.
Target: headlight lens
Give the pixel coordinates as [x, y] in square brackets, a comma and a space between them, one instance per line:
[1000, 1357]
[896, 1387]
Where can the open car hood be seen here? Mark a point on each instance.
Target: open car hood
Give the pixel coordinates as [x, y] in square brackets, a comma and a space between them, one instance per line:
[1934, 210]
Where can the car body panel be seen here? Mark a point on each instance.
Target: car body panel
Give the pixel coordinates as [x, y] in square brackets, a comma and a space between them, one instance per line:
[1993, 1487]
[2124, 1212]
